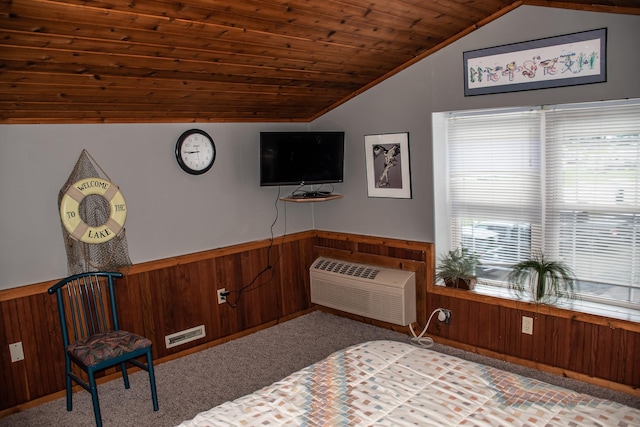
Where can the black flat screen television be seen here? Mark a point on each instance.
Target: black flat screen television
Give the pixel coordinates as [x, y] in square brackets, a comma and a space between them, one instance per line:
[301, 158]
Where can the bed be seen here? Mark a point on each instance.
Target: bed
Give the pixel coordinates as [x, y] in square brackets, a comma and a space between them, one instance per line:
[389, 383]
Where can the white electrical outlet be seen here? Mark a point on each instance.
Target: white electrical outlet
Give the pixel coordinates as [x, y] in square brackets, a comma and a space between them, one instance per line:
[17, 353]
[527, 325]
[222, 298]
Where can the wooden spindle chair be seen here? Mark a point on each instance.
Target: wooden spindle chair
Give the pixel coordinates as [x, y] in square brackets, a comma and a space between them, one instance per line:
[91, 335]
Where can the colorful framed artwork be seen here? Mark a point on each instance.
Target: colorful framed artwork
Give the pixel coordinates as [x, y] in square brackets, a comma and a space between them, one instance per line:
[567, 60]
[388, 171]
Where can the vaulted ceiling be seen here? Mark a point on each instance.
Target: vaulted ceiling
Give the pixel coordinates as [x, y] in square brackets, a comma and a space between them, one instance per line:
[144, 61]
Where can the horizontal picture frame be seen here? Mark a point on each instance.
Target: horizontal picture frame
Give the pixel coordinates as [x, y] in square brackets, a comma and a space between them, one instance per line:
[566, 60]
[388, 170]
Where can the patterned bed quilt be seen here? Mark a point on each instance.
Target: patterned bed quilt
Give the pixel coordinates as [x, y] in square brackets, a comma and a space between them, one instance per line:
[388, 383]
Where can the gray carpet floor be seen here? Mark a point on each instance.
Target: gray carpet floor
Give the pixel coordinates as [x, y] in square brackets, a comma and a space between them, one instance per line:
[210, 377]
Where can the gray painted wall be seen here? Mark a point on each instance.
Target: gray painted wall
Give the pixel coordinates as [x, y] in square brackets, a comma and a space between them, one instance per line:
[171, 213]
[405, 103]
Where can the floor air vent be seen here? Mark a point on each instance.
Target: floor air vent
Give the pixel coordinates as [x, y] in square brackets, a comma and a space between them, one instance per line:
[379, 293]
[185, 336]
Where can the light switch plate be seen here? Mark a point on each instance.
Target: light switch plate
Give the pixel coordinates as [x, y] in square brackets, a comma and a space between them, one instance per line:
[527, 325]
[17, 353]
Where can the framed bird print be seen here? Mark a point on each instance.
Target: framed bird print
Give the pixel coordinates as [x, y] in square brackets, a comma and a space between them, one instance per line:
[567, 60]
[388, 169]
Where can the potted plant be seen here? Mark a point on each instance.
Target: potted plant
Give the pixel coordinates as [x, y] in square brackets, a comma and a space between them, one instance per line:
[457, 268]
[544, 280]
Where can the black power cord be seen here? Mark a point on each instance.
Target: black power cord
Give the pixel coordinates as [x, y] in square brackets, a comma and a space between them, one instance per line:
[269, 267]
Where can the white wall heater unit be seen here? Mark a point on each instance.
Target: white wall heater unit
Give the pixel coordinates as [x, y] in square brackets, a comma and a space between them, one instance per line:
[379, 293]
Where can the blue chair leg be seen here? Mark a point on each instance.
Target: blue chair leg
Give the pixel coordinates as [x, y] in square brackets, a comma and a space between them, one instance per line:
[125, 376]
[69, 385]
[152, 380]
[94, 397]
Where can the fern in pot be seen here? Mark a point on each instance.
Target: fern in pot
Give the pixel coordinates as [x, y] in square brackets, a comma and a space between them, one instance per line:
[544, 280]
[457, 268]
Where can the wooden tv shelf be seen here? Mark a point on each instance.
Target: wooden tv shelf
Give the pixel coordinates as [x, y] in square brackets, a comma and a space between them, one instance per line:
[311, 199]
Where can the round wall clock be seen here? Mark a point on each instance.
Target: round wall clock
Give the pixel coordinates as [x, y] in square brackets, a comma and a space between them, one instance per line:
[195, 151]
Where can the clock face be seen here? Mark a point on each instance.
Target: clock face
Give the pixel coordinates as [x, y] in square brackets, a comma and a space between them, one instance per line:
[195, 151]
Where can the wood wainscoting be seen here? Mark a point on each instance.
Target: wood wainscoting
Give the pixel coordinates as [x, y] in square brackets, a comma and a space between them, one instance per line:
[162, 297]
[166, 296]
[587, 347]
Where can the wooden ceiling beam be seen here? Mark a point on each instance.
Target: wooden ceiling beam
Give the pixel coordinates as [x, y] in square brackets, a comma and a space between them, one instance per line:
[319, 21]
[130, 83]
[153, 16]
[157, 97]
[178, 78]
[57, 115]
[272, 46]
[124, 62]
[273, 57]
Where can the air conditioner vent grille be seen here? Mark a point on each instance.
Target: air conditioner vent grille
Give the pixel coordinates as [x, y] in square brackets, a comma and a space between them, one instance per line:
[347, 268]
[185, 336]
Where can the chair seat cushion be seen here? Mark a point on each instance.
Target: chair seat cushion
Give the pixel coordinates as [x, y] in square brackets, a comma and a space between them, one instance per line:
[100, 347]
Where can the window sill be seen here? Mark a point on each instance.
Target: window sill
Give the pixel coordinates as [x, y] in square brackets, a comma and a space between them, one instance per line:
[570, 308]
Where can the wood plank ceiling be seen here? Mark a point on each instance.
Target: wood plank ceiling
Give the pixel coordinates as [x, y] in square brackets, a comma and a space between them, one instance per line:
[120, 61]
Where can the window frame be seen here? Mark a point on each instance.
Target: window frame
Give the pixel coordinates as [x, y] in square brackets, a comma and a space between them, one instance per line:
[443, 208]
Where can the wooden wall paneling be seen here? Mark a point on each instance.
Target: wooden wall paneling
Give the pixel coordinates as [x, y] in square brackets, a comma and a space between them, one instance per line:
[629, 351]
[126, 290]
[632, 376]
[148, 326]
[372, 248]
[387, 249]
[608, 343]
[559, 350]
[42, 378]
[540, 342]
[50, 348]
[619, 352]
[208, 303]
[294, 275]
[157, 299]
[6, 375]
[29, 343]
[224, 323]
[13, 373]
[508, 344]
[488, 329]
[476, 315]
[263, 295]
[130, 310]
[246, 298]
[511, 326]
[625, 350]
[204, 285]
[595, 351]
[421, 293]
[171, 311]
[345, 245]
[577, 333]
[180, 294]
[590, 341]
[467, 319]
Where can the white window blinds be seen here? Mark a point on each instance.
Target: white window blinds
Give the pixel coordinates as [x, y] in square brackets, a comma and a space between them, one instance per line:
[593, 191]
[494, 183]
[563, 180]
